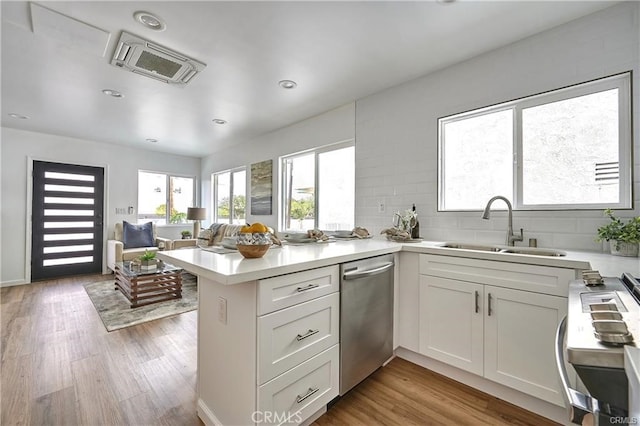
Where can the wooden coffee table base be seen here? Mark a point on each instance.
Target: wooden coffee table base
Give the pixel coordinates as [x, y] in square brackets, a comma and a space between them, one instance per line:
[150, 288]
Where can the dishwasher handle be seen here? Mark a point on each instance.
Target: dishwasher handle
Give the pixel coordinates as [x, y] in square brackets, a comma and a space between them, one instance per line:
[362, 273]
[581, 406]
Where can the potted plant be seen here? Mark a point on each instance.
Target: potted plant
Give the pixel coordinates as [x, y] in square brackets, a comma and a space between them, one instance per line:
[185, 234]
[148, 260]
[623, 237]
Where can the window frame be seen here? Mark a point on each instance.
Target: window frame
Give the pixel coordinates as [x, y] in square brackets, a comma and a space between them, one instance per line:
[283, 178]
[621, 81]
[214, 193]
[168, 177]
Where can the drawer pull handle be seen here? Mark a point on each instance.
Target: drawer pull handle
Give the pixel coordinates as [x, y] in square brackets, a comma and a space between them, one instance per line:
[310, 392]
[477, 305]
[307, 334]
[309, 287]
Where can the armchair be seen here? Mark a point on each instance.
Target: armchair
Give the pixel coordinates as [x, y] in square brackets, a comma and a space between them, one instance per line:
[116, 251]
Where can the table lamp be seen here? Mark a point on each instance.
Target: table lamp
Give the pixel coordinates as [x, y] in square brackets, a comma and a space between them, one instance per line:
[197, 214]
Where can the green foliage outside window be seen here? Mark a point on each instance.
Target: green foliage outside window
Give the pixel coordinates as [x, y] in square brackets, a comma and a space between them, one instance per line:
[302, 209]
[176, 216]
[239, 207]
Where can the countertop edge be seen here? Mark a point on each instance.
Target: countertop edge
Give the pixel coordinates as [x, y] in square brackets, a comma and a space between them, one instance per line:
[229, 270]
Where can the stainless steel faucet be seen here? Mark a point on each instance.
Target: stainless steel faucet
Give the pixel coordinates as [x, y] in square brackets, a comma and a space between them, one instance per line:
[511, 238]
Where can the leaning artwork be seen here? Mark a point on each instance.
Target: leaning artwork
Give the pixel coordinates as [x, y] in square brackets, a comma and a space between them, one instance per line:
[261, 187]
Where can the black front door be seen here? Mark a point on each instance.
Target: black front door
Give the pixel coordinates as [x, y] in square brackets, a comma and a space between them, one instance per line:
[67, 211]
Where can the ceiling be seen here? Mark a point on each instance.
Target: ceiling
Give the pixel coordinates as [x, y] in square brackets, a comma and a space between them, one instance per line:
[337, 52]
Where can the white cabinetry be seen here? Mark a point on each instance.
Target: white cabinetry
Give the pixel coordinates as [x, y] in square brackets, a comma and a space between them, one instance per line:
[274, 357]
[451, 328]
[494, 319]
[298, 353]
[519, 336]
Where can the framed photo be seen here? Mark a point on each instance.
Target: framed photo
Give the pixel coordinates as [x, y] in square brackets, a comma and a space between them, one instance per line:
[261, 187]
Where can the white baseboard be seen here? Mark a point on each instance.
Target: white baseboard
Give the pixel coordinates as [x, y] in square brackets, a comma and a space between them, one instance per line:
[206, 415]
[13, 283]
[535, 405]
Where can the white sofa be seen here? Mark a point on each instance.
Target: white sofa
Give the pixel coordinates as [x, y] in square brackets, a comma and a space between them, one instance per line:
[117, 253]
[221, 231]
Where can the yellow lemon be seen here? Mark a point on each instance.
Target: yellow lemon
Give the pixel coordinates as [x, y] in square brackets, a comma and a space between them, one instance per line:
[245, 230]
[258, 228]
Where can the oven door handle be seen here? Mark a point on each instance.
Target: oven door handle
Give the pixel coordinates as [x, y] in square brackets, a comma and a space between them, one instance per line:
[581, 405]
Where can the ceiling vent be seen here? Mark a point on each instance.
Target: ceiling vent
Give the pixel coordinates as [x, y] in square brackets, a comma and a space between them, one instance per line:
[151, 60]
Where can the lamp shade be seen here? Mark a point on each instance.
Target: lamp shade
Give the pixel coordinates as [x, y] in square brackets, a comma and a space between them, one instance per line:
[196, 213]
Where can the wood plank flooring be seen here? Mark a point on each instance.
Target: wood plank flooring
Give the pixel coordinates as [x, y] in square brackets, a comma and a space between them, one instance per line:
[59, 366]
[403, 393]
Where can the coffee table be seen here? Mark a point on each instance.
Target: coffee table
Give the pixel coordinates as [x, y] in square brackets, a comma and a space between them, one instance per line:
[142, 287]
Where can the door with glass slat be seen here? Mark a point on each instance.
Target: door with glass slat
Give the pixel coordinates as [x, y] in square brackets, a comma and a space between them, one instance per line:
[67, 211]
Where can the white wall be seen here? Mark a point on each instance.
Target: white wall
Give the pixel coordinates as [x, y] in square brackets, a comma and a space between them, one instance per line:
[396, 135]
[396, 144]
[121, 190]
[333, 126]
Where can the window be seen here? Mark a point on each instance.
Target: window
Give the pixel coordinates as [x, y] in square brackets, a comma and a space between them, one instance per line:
[163, 198]
[318, 189]
[565, 149]
[230, 185]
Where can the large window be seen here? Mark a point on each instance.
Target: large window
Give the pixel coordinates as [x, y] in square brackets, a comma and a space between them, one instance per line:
[565, 149]
[318, 189]
[229, 196]
[163, 198]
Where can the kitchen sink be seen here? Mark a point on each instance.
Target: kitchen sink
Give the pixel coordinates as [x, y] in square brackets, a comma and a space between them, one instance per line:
[466, 246]
[532, 251]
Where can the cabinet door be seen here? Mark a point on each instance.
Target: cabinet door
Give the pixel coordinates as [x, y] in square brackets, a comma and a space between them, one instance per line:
[451, 322]
[520, 332]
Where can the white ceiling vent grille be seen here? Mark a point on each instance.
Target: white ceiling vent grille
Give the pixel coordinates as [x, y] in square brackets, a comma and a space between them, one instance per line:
[151, 60]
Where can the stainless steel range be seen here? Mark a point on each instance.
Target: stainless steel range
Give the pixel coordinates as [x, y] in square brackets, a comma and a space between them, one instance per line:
[603, 316]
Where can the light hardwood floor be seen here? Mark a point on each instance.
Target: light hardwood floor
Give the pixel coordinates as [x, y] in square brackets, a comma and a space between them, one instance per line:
[59, 366]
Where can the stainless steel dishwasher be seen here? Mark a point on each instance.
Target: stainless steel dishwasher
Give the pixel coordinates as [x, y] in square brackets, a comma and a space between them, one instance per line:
[366, 318]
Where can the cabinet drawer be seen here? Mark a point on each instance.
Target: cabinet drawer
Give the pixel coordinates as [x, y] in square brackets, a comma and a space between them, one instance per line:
[519, 276]
[288, 290]
[290, 336]
[295, 395]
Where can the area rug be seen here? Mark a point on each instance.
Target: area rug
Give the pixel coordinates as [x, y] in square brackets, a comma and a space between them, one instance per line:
[115, 311]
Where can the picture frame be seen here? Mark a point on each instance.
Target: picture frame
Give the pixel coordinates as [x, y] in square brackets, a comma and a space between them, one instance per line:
[262, 188]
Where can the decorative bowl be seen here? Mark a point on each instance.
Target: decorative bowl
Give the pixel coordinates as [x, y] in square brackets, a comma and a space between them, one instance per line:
[256, 238]
[342, 233]
[252, 251]
[295, 236]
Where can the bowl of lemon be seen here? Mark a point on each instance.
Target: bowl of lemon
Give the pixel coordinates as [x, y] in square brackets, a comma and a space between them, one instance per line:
[253, 240]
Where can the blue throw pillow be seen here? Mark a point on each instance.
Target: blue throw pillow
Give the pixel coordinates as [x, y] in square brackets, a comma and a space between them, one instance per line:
[137, 235]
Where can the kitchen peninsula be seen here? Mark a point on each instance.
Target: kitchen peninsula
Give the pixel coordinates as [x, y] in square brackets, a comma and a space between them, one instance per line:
[246, 372]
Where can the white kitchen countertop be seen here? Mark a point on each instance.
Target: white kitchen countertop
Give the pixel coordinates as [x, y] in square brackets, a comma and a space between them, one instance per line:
[232, 268]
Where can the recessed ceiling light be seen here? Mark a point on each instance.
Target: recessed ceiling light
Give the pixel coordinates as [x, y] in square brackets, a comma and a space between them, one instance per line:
[287, 84]
[150, 20]
[152, 140]
[114, 93]
[18, 116]
[219, 121]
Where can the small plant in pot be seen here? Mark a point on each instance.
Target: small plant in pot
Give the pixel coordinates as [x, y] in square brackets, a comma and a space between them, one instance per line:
[148, 260]
[185, 234]
[623, 237]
